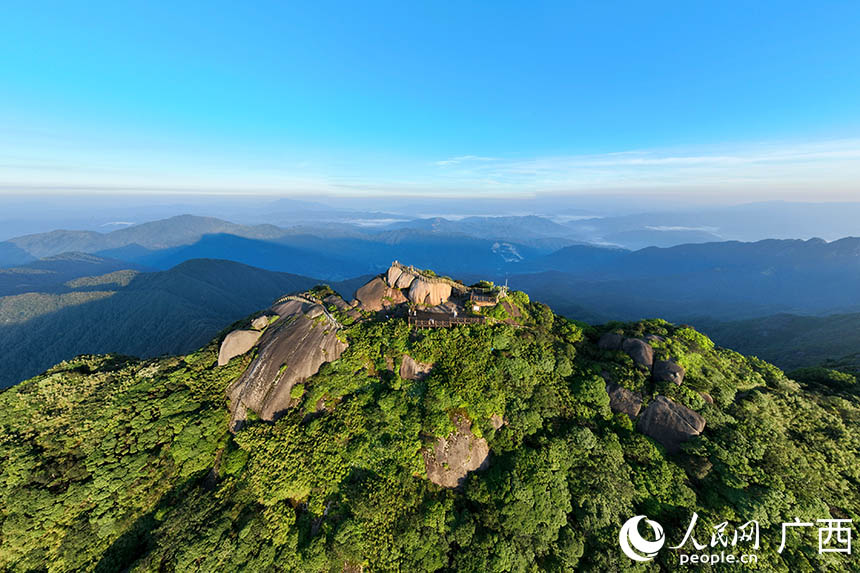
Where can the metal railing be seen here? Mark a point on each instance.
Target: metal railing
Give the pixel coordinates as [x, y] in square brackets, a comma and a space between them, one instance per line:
[308, 300]
[444, 321]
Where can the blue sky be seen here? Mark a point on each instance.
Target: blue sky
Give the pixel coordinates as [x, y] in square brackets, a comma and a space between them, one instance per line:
[744, 99]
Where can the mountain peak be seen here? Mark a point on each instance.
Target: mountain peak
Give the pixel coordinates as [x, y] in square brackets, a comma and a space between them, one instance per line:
[327, 434]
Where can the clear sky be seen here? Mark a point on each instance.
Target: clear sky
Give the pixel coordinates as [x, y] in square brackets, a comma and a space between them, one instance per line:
[741, 99]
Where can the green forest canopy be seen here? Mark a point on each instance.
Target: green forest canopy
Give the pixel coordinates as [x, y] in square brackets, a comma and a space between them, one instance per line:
[111, 463]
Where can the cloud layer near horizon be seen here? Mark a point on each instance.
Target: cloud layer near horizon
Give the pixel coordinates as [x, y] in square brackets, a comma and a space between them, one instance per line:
[810, 170]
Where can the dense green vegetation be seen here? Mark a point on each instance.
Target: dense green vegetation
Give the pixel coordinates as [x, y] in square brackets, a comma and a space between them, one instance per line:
[111, 463]
[792, 341]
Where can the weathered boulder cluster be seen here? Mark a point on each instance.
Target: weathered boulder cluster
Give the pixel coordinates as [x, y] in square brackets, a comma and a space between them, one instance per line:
[664, 420]
[401, 284]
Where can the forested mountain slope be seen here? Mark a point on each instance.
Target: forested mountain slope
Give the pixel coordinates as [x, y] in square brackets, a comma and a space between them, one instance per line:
[517, 441]
[138, 314]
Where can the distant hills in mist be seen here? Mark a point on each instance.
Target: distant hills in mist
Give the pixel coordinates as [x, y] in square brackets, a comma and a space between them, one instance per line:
[169, 285]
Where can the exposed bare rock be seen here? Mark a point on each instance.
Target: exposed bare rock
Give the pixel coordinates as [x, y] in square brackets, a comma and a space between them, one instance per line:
[412, 370]
[260, 323]
[668, 371]
[337, 302]
[669, 423]
[393, 274]
[395, 297]
[623, 400]
[654, 338]
[376, 295]
[610, 341]
[404, 280]
[429, 292]
[707, 397]
[349, 308]
[640, 351]
[371, 295]
[497, 421]
[399, 276]
[237, 343]
[452, 458]
[290, 350]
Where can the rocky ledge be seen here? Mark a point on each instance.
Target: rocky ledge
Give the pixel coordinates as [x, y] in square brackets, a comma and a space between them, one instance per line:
[290, 350]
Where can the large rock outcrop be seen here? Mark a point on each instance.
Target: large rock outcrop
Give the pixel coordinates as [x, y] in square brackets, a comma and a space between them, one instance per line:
[290, 350]
[428, 291]
[451, 459]
[668, 371]
[376, 295]
[610, 341]
[669, 423]
[405, 280]
[410, 369]
[623, 400]
[640, 351]
[237, 343]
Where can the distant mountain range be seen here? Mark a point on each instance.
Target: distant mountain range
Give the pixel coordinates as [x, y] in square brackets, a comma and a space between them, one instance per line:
[722, 280]
[163, 234]
[140, 314]
[729, 280]
[108, 295]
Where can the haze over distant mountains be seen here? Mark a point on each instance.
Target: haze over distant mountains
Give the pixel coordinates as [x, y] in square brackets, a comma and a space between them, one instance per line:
[724, 280]
[628, 221]
[157, 287]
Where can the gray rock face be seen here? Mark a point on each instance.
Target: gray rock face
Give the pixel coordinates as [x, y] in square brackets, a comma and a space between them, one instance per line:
[610, 341]
[668, 371]
[452, 458]
[237, 343]
[290, 350]
[412, 370]
[623, 400]
[654, 338]
[640, 351]
[260, 322]
[706, 397]
[669, 423]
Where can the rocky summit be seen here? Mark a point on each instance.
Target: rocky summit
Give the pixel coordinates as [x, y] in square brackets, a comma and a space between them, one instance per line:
[419, 424]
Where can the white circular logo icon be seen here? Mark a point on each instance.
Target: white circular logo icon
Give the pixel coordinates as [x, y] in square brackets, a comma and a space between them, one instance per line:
[632, 543]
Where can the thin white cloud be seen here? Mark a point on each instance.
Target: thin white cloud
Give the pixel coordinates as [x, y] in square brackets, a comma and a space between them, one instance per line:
[736, 169]
[464, 159]
[805, 170]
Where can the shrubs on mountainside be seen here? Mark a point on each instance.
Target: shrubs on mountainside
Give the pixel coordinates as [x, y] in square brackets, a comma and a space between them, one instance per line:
[111, 463]
[826, 379]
